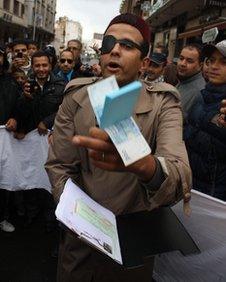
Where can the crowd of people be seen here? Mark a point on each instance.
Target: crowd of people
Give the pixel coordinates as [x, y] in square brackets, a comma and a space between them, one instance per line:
[181, 110]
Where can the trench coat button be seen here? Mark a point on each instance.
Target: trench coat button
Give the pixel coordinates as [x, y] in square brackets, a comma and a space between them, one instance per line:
[149, 88]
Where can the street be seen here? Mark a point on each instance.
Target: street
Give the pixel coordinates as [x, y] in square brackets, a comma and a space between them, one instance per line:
[25, 254]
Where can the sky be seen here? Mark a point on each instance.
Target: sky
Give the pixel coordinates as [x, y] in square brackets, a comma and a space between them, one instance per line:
[93, 15]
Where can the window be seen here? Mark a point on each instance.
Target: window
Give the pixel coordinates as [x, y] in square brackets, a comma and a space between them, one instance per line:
[16, 7]
[6, 5]
[22, 10]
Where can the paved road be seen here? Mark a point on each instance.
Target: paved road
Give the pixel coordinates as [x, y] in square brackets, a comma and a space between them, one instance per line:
[25, 255]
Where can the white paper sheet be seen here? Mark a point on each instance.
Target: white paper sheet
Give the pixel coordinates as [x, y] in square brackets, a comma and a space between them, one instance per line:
[22, 161]
[92, 222]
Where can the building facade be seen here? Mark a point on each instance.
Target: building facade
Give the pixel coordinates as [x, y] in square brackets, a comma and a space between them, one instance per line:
[175, 23]
[13, 20]
[41, 20]
[33, 19]
[66, 30]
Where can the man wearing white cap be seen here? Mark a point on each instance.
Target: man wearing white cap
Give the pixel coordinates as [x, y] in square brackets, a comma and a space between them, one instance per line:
[206, 143]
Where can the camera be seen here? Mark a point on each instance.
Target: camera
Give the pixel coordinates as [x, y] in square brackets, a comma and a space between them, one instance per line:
[33, 86]
[19, 55]
[87, 68]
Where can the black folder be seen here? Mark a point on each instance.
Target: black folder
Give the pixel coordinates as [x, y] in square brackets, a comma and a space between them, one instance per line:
[148, 233]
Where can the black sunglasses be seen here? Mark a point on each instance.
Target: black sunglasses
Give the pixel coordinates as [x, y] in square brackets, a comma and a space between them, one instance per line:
[62, 61]
[109, 42]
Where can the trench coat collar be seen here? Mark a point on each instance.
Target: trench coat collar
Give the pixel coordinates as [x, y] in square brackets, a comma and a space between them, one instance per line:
[143, 105]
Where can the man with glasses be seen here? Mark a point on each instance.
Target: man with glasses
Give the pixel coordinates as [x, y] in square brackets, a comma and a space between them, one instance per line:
[66, 66]
[93, 162]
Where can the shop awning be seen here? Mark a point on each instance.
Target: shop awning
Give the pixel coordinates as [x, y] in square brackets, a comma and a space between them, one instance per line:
[199, 31]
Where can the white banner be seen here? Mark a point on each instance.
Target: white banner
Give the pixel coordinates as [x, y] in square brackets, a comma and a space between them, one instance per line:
[22, 161]
[207, 226]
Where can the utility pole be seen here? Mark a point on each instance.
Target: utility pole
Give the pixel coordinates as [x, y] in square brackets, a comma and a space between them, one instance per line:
[35, 19]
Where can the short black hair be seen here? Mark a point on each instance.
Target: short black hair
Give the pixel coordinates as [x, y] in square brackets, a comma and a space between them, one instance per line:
[33, 42]
[197, 47]
[39, 54]
[19, 41]
[77, 41]
[66, 50]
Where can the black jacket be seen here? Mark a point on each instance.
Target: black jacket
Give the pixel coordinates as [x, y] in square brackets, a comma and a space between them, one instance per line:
[44, 105]
[9, 94]
[205, 143]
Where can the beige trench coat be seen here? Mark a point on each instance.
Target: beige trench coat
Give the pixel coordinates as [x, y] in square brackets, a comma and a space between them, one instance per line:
[158, 115]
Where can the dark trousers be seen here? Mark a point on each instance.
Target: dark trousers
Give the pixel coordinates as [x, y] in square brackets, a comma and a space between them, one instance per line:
[79, 262]
[35, 201]
[4, 204]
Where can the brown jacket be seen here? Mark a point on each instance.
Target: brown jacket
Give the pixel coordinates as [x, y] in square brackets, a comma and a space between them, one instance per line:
[158, 115]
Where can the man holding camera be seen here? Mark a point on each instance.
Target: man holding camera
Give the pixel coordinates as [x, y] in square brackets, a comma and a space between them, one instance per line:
[43, 93]
[20, 56]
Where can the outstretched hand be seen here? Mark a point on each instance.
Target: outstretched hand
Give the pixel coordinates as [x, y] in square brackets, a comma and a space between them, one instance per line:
[105, 156]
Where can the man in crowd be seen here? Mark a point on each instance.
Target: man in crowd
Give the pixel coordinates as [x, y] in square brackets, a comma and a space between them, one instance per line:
[155, 70]
[80, 70]
[66, 66]
[32, 47]
[42, 96]
[9, 95]
[75, 46]
[37, 109]
[207, 136]
[20, 56]
[170, 70]
[189, 68]
[93, 162]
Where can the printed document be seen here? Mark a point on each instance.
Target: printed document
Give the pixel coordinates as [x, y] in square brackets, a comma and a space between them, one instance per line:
[89, 220]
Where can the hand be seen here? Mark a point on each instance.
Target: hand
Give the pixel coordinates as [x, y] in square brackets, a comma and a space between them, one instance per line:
[26, 90]
[42, 129]
[222, 117]
[95, 47]
[96, 69]
[18, 62]
[11, 124]
[105, 156]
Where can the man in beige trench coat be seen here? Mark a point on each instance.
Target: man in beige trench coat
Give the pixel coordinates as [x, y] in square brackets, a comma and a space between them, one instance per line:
[82, 151]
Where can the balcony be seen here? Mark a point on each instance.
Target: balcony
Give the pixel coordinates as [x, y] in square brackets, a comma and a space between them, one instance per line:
[166, 10]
